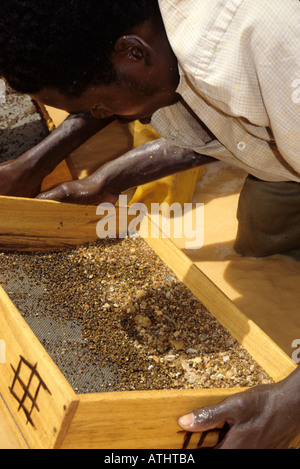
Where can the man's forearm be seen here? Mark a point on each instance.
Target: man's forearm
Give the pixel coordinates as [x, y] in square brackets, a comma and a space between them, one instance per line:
[146, 163]
[149, 162]
[72, 133]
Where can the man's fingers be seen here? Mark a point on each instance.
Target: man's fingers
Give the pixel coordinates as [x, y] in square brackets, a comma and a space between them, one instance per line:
[208, 417]
[66, 194]
[45, 195]
[200, 420]
[60, 193]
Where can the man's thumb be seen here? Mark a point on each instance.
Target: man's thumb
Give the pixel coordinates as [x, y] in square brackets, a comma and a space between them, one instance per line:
[203, 419]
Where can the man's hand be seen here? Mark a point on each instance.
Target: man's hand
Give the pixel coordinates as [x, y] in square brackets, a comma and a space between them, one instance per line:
[81, 192]
[17, 181]
[23, 176]
[263, 417]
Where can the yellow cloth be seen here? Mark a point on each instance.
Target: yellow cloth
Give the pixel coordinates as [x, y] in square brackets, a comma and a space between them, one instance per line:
[179, 187]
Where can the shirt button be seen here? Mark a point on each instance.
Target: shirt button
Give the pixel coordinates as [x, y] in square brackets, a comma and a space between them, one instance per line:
[241, 146]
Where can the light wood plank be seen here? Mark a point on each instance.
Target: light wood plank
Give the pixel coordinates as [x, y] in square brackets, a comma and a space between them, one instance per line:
[10, 437]
[43, 425]
[137, 419]
[31, 224]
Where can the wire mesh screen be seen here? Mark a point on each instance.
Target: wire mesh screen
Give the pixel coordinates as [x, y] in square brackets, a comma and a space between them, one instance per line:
[113, 317]
[53, 322]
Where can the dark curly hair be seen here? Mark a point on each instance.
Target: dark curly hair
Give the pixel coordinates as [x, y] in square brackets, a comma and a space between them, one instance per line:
[64, 44]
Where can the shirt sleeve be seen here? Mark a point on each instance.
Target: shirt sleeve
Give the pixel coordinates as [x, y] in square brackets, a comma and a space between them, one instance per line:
[277, 60]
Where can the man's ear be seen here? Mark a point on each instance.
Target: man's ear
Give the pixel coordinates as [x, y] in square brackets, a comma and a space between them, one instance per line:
[133, 48]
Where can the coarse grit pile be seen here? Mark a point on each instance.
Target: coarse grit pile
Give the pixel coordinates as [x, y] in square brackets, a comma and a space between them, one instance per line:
[21, 125]
[113, 317]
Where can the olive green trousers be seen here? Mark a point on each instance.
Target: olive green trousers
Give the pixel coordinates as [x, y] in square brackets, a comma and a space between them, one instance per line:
[269, 219]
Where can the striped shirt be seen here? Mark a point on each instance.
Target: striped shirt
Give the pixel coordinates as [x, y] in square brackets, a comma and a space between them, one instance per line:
[239, 64]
